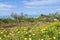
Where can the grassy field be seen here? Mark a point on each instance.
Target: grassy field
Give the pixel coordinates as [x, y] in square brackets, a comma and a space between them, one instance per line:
[47, 32]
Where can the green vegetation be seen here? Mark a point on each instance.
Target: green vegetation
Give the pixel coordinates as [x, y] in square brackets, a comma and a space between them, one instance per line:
[23, 18]
[48, 32]
[19, 27]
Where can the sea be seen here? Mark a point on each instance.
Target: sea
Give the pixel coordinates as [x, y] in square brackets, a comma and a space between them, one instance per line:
[29, 16]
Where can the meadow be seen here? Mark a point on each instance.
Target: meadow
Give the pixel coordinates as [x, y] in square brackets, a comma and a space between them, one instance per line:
[47, 32]
[19, 27]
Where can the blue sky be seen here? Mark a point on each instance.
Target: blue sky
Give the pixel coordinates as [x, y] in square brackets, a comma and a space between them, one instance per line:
[30, 7]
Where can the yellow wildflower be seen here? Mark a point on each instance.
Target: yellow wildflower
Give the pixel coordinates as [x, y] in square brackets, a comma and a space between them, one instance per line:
[2, 32]
[43, 29]
[29, 35]
[54, 37]
[16, 29]
[4, 35]
[6, 31]
[42, 39]
[25, 29]
[12, 34]
[33, 34]
[8, 36]
[39, 38]
[0, 38]
[29, 38]
[25, 39]
[59, 32]
[11, 31]
[50, 38]
[18, 32]
[26, 32]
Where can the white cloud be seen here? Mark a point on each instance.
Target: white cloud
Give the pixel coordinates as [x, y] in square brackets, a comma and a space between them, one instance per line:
[42, 7]
[4, 6]
[58, 9]
[38, 3]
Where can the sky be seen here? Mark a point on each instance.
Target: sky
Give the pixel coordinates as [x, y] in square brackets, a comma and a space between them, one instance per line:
[30, 7]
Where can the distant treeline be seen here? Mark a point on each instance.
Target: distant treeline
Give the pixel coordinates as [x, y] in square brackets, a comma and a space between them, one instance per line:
[23, 19]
